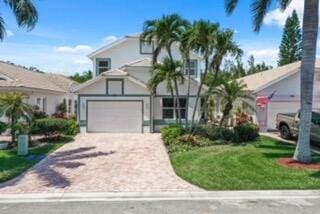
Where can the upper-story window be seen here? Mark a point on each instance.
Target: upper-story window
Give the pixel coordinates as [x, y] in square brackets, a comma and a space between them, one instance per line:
[146, 47]
[193, 67]
[103, 65]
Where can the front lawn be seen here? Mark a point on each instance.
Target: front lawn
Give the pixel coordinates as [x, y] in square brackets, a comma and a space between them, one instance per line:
[12, 165]
[243, 167]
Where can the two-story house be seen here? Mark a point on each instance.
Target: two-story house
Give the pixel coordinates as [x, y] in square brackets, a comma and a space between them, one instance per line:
[117, 99]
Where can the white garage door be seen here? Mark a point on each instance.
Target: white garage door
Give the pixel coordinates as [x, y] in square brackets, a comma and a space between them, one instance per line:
[275, 108]
[114, 116]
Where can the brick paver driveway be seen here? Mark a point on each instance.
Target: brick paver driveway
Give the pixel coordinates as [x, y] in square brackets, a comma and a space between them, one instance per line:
[103, 163]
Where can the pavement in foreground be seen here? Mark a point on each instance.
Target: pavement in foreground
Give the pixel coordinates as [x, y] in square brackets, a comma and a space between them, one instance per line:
[261, 206]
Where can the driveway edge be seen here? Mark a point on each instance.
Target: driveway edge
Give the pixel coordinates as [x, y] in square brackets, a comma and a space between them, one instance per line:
[159, 196]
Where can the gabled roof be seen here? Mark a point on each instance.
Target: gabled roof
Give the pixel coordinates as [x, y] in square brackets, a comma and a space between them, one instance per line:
[145, 62]
[259, 81]
[17, 76]
[123, 39]
[114, 73]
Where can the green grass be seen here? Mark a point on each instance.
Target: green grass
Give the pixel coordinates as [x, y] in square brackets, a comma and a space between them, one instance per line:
[12, 165]
[243, 167]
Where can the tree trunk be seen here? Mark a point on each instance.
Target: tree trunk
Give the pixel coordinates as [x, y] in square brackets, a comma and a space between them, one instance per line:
[226, 111]
[202, 79]
[177, 100]
[13, 136]
[309, 44]
[188, 93]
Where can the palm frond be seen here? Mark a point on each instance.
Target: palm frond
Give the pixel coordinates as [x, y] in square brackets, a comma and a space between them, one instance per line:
[230, 6]
[284, 4]
[2, 28]
[259, 9]
[25, 12]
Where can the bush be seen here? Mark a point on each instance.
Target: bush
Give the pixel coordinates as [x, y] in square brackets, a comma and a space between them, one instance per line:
[39, 115]
[246, 132]
[3, 127]
[55, 126]
[171, 133]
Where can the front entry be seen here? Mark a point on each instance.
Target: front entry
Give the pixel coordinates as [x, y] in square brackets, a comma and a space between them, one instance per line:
[115, 116]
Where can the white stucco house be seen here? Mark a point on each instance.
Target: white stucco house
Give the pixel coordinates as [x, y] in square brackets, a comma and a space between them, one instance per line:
[278, 91]
[44, 90]
[117, 98]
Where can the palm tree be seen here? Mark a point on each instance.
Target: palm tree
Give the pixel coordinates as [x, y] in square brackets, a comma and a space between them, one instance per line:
[185, 50]
[225, 46]
[164, 32]
[25, 13]
[202, 39]
[13, 107]
[228, 94]
[170, 72]
[309, 44]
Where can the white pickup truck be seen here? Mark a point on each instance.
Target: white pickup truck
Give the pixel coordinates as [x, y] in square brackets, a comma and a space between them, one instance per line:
[288, 125]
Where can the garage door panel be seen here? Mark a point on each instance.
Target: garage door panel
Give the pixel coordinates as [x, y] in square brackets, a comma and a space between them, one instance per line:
[115, 116]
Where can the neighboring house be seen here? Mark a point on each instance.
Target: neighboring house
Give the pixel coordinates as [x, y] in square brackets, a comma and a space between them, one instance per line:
[117, 98]
[278, 91]
[44, 90]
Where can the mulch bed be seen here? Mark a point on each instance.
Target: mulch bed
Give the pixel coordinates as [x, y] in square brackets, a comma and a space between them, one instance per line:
[291, 163]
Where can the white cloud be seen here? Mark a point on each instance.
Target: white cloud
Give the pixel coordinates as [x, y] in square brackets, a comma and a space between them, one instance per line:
[9, 33]
[278, 17]
[44, 57]
[74, 50]
[109, 39]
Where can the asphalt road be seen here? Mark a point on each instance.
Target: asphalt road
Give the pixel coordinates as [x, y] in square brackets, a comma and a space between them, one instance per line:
[261, 206]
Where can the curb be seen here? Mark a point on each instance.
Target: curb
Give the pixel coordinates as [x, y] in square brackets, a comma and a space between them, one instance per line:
[158, 196]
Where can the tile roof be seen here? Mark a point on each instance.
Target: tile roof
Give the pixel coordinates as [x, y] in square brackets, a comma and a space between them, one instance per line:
[21, 77]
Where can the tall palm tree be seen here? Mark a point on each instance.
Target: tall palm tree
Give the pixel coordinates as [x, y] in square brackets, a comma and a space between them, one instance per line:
[12, 106]
[229, 93]
[185, 50]
[309, 44]
[25, 12]
[164, 32]
[202, 39]
[170, 72]
[225, 46]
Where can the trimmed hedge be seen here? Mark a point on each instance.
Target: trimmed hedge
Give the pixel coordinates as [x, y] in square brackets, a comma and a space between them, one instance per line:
[55, 126]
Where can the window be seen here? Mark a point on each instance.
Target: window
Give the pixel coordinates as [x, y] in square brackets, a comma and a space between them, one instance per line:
[69, 105]
[193, 67]
[146, 47]
[115, 87]
[103, 65]
[168, 108]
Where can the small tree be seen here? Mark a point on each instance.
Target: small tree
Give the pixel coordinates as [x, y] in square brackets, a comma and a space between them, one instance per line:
[229, 93]
[13, 107]
[290, 49]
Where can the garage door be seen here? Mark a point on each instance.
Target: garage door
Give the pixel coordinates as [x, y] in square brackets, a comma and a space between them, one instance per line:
[115, 116]
[275, 108]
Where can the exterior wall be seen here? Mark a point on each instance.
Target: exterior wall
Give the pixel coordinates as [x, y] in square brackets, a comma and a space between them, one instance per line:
[129, 51]
[158, 120]
[52, 100]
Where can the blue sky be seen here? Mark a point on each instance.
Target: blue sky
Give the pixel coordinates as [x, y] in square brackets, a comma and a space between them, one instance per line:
[70, 29]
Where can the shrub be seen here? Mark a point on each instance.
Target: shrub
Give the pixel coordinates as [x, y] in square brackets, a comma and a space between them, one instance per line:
[73, 127]
[171, 133]
[55, 126]
[246, 132]
[3, 127]
[39, 115]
